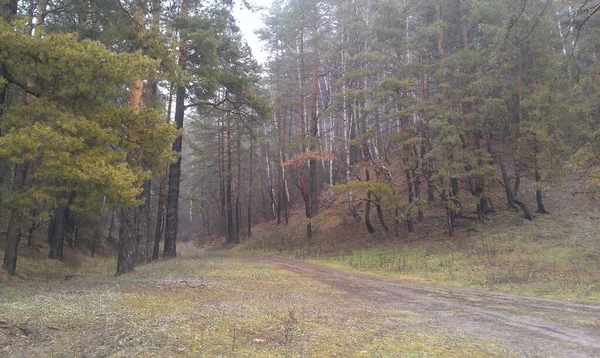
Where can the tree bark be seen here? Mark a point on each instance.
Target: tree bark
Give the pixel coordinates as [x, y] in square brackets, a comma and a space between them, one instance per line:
[160, 219]
[409, 183]
[145, 230]
[370, 227]
[314, 132]
[59, 229]
[250, 188]
[130, 236]
[127, 241]
[12, 243]
[228, 184]
[538, 180]
[58, 232]
[170, 249]
[380, 214]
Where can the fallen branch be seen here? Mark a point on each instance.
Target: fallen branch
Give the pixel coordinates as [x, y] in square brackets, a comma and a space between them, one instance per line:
[191, 286]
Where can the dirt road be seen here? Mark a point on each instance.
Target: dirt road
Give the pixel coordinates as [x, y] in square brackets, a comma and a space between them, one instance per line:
[523, 326]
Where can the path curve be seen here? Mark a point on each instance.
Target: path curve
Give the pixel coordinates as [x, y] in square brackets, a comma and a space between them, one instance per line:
[522, 326]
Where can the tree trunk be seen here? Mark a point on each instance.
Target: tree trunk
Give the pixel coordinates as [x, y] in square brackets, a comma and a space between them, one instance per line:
[58, 232]
[380, 213]
[314, 132]
[228, 184]
[397, 222]
[95, 238]
[409, 183]
[127, 241]
[12, 243]
[370, 227]
[145, 229]
[111, 226]
[172, 210]
[170, 249]
[59, 229]
[526, 212]
[238, 195]
[538, 180]
[129, 223]
[160, 219]
[250, 189]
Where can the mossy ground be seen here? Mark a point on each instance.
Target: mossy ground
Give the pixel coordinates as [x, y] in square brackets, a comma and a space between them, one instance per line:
[234, 308]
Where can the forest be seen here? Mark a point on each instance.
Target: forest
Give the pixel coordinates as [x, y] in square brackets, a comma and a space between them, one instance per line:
[437, 141]
[138, 121]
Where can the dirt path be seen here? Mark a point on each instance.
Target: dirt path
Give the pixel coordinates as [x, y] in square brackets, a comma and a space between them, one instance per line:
[523, 326]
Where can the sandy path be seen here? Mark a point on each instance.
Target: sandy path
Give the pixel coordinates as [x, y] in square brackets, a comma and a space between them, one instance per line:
[523, 326]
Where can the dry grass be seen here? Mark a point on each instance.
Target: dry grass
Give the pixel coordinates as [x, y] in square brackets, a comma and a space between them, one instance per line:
[227, 307]
[556, 255]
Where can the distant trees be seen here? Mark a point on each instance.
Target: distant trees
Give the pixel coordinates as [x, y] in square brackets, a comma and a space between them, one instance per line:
[83, 125]
[427, 102]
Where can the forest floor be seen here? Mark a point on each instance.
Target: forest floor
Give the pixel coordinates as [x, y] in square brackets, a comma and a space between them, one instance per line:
[217, 304]
[554, 256]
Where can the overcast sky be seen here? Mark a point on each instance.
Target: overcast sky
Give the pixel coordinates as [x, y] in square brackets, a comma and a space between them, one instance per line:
[249, 22]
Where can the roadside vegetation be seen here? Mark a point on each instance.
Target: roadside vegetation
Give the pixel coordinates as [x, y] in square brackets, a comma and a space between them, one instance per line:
[554, 255]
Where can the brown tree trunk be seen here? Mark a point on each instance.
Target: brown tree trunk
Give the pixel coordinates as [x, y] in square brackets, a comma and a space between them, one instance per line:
[15, 222]
[12, 243]
[538, 179]
[250, 188]
[380, 216]
[129, 223]
[145, 230]
[59, 229]
[172, 210]
[238, 194]
[409, 184]
[127, 241]
[228, 184]
[370, 227]
[160, 219]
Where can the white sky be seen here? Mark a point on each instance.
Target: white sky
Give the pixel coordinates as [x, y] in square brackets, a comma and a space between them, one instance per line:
[249, 22]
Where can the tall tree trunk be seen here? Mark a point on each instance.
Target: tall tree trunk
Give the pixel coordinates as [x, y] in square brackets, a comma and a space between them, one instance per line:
[12, 242]
[145, 229]
[347, 135]
[370, 227]
[170, 249]
[228, 183]
[380, 216]
[409, 184]
[15, 222]
[127, 241]
[160, 218]
[510, 195]
[130, 236]
[250, 187]
[538, 180]
[59, 229]
[450, 211]
[314, 132]
[238, 194]
[221, 164]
